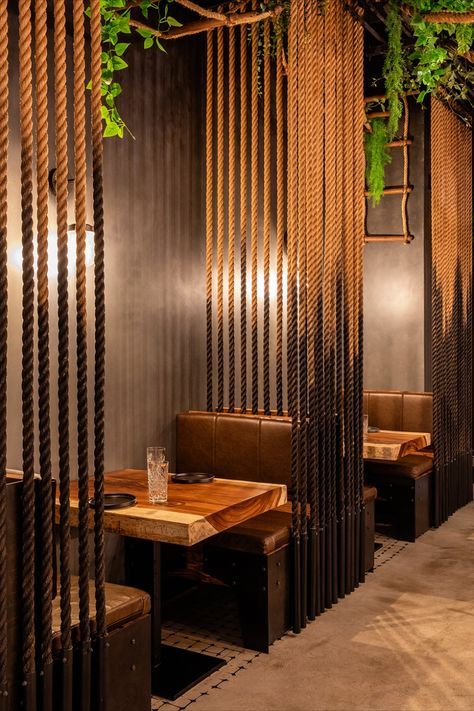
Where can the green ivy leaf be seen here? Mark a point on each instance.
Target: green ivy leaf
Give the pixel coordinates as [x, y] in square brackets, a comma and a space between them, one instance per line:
[148, 42]
[172, 22]
[112, 129]
[121, 47]
[118, 63]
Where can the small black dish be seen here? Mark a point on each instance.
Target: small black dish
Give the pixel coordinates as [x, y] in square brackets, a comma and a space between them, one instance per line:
[192, 478]
[116, 501]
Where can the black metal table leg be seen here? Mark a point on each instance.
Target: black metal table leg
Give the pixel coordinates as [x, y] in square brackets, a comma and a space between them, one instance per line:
[175, 670]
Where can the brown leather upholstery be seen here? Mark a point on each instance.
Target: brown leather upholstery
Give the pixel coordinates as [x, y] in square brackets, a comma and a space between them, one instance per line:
[123, 604]
[267, 532]
[394, 410]
[234, 446]
[412, 466]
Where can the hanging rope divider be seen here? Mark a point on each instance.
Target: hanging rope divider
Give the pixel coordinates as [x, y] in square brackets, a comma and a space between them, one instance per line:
[280, 222]
[3, 346]
[220, 218]
[243, 219]
[254, 187]
[267, 157]
[231, 218]
[99, 361]
[292, 301]
[46, 542]
[318, 336]
[81, 344]
[27, 373]
[209, 213]
[60, 94]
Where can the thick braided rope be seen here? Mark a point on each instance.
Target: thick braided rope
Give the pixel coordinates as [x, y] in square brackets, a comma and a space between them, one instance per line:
[63, 319]
[231, 219]
[338, 493]
[254, 188]
[315, 147]
[359, 162]
[319, 188]
[220, 218]
[27, 374]
[436, 313]
[99, 298]
[330, 236]
[3, 334]
[280, 225]
[351, 236]
[302, 266]
[267, 206]
[292, 290]
[209, 213]
[43, 328]
[243, 219]
[81, 316]
[436, 310]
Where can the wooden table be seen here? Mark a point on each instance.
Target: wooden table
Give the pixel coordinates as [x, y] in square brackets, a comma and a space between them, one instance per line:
[192, 514]
[391, 445]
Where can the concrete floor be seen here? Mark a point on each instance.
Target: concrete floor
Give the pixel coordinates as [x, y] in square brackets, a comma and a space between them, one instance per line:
[404, 640]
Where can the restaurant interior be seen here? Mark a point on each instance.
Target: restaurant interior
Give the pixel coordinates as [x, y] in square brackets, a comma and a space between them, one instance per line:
[236, 431]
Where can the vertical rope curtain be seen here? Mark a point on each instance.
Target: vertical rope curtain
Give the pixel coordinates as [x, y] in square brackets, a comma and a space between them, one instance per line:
[31, 685]
[3, 344]
[302, 119]
[451, 191]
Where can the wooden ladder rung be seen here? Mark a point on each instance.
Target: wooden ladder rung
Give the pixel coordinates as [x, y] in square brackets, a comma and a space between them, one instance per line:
[399, 144]
[395, 190]
[378, 114]
[388, 238]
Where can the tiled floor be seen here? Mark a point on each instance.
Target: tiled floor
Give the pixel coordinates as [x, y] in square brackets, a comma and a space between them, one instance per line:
[217, 633]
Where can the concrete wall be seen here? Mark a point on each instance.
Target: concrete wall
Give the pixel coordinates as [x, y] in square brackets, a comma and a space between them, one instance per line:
[394, 282]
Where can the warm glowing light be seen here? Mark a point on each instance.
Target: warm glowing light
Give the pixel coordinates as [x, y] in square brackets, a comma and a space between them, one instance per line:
[16, 253]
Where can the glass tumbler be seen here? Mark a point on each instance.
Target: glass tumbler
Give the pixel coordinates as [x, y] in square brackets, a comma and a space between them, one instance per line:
[366, 426]
[157, 469]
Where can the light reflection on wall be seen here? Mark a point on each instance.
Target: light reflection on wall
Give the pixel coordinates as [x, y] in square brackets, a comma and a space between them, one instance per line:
[15, 253]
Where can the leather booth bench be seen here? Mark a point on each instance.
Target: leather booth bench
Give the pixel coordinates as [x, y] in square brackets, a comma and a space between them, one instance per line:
[128, 673]
[404, 486]
[252, 557]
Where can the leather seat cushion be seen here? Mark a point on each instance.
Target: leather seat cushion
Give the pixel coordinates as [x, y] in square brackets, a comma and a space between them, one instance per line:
[410, 467]
[122, 605]
[267, 532]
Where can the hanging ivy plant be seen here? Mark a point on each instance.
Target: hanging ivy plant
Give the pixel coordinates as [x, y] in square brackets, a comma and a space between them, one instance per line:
[434, 64]
[116, 26]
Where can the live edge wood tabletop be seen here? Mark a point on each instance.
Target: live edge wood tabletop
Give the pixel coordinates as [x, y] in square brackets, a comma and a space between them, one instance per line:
[193, 512]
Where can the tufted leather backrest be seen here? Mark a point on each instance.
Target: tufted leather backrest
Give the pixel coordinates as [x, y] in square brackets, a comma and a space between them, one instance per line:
[396, 410]
[234, 446]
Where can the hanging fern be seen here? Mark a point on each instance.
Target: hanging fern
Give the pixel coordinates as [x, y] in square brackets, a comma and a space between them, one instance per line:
[377, 156]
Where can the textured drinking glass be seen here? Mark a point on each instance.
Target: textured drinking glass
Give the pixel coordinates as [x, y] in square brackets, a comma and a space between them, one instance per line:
[366, 426]
[157, 475]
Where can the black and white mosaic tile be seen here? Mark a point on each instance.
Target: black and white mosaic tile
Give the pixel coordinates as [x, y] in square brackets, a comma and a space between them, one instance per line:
[207, 621]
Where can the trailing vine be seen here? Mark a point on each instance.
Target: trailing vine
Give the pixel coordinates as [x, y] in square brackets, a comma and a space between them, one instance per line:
[439, 61]
[116, 26]
[377, 157]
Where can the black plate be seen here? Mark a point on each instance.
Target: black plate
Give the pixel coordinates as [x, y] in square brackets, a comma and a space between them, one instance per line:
[116, 501]
[192, 478]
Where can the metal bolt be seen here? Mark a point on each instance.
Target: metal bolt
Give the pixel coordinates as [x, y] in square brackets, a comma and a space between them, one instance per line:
[133, 642]
[133, 667]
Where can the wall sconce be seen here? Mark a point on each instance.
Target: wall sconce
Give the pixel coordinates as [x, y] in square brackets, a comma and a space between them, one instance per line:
[16, 257]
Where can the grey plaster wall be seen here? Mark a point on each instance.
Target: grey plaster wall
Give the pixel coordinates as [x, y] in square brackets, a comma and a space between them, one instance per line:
[394, 289]
[154, 258]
